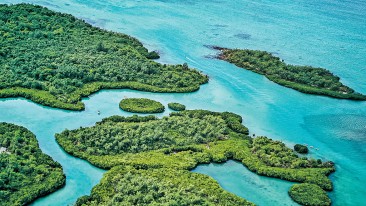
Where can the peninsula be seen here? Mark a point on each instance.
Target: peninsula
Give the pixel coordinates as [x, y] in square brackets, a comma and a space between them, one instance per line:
[54, 59]
[305, 79]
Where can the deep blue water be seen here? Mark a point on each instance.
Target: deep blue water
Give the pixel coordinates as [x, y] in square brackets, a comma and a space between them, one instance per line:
[329, 34]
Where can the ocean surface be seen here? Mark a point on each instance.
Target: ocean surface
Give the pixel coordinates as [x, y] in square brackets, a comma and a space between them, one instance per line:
[329, 34]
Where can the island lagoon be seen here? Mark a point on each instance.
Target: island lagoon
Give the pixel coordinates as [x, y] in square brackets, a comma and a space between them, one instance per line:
[325, 34]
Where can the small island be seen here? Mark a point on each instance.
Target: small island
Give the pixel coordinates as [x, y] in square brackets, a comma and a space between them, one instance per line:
[309, 194]
[176, 106]
[25, 172]
[141, 105]
[146, 147]
[55, 59]
[305, 79]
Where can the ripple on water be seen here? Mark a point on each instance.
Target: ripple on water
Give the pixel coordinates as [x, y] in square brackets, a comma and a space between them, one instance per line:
[344, 126]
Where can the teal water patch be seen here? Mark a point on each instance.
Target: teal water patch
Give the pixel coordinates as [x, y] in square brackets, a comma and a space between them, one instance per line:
[329, 34]
[350, 127]
[344, 135]
[237, 179]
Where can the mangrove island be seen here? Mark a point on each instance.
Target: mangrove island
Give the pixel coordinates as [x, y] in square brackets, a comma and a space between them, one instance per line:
[150, 159]
[305, 79]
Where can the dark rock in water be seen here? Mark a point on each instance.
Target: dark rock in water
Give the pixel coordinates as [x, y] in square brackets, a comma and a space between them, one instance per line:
[220, 25]
[243, 36]
[97, 22]
[210, 56]
[329, 163]
[213, 47]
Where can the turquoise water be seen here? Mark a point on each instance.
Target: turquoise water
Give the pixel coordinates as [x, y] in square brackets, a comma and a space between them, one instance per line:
[330, 34]
[235, 177]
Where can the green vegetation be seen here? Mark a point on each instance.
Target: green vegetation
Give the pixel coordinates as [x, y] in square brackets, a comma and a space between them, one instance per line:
[141, 105]
[54, 59]
[305, 79]
[276, 154]
[147, 133]
[309, 194]
[181, 142]
[129, 186]
[302, 149]
[176, 106]
[25, 172]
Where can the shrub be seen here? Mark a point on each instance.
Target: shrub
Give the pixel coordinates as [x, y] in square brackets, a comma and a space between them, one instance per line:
[176, 106]
[301, 149]
[153, 55]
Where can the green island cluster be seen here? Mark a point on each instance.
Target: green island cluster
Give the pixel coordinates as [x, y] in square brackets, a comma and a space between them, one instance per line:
[141, 105]
[176, 106]
[25, 172]
[150, 159]
[305, 79]
[54, 59]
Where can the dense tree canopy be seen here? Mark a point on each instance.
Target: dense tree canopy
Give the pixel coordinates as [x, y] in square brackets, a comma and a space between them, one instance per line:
[54, 58]
[141, 105]
[176, 106]
[111, 138]
[305, 79]
[182, 141]
[25, 172]
[309, 194]
[129, 186]
[276, 154]
[301, 149]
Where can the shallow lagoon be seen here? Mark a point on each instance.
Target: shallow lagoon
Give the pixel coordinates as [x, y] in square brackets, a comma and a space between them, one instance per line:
[236, 178]
[329, 34]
